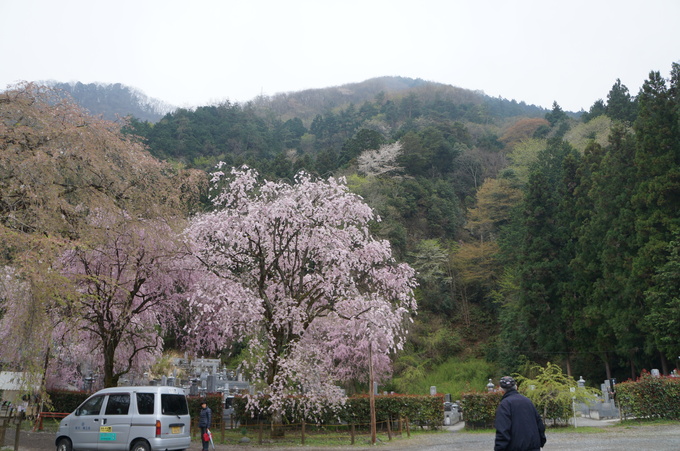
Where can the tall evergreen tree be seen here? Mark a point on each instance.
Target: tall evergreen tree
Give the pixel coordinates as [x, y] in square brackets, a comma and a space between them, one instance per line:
[555, 115]
[663, 305]
[620, 105]
[597, 109]
[605, 324]
[545, 251]
[657, 195]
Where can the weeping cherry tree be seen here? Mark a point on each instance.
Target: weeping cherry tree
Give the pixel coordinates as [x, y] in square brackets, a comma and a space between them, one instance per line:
[293, 271]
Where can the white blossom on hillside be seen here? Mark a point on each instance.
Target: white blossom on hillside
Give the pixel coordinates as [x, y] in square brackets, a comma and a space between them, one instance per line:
[380, 161]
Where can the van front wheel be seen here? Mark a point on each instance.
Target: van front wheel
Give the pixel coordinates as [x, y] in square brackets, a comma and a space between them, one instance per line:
[140, 445]
[64, 445]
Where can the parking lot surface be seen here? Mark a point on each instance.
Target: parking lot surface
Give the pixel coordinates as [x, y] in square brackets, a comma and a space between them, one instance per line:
[600, 437]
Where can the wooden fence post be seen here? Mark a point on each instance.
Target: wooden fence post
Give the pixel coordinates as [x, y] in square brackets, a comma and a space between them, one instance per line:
[389, 429]
[3, 426]
[224, 426]
[303, 432]
[17, 432]
[351, 432]
[259, 435]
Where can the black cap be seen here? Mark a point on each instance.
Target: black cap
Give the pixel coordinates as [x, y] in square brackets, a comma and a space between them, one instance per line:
[507, 382]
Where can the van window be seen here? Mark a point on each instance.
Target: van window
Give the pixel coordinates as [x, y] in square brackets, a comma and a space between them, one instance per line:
[91, 407]
[174, 404]
[145, 403]
[118, 404]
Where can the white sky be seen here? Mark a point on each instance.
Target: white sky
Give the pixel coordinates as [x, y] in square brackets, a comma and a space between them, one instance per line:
[197, 52]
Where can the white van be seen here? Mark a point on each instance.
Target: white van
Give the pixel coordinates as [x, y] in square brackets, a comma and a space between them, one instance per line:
[141, 418]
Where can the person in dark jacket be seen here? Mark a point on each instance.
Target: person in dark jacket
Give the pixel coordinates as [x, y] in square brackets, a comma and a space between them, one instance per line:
[204, 422]
[519, 427]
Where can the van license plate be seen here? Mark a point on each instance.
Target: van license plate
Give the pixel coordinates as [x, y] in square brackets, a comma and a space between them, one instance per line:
[175, 429]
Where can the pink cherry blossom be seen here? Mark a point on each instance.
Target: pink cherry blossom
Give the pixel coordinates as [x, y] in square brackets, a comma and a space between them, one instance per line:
[126, 276]
[293, 271]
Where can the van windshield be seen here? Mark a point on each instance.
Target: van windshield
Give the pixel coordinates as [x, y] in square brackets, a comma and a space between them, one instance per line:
[174, 404]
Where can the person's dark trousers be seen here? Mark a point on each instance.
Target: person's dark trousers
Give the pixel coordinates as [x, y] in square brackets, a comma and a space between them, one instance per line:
[205, 444]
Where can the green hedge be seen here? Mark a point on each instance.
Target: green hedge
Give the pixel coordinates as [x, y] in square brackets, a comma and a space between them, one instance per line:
[63, 401]
[650, 397]
[479, 409]
[420, 410]
[214, 402]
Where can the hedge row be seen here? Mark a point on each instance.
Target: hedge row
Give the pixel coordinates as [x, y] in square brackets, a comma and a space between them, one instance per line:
[420, 410]
[214, 401]
[480, 409]
[650, 397]
[65, 401]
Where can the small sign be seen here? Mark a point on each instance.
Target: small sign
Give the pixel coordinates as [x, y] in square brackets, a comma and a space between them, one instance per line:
[105, 429]
[107, 436]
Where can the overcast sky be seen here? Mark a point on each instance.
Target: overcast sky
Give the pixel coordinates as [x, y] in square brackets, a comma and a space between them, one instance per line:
[197, 52]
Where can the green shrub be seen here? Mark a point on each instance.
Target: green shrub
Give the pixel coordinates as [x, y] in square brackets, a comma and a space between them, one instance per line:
[479, 409]
[214, 401]
[63, 401]
[553, 392]
[650, 397]
[419, 409]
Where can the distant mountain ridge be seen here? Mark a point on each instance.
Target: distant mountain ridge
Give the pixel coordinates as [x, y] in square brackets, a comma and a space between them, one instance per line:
[310, 102]
[115, 100]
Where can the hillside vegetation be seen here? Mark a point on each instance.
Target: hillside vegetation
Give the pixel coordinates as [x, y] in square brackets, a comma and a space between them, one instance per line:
[500, 206]
[537, 234]
[114, 102]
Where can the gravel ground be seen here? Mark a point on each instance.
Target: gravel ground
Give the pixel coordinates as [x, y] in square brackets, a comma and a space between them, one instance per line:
[639, 438]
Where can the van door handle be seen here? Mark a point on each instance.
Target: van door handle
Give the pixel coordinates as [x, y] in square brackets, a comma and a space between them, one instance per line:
[104, 421]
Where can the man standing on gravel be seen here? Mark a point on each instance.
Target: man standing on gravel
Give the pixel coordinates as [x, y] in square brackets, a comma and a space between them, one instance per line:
[518, 425]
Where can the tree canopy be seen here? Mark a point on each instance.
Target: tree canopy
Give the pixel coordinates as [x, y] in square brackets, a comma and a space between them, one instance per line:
[293, 271]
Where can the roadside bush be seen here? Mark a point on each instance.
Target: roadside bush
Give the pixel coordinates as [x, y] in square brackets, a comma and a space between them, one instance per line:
[479, 409]
[63, 401]
[650, 397]
[214, 401]
[553, 392]
[419, 409]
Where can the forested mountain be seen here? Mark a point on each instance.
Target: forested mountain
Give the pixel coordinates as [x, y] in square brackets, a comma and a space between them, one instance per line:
[308, 103]
[114, 101]
[317, 124]
[501, 207]
[537, 234]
